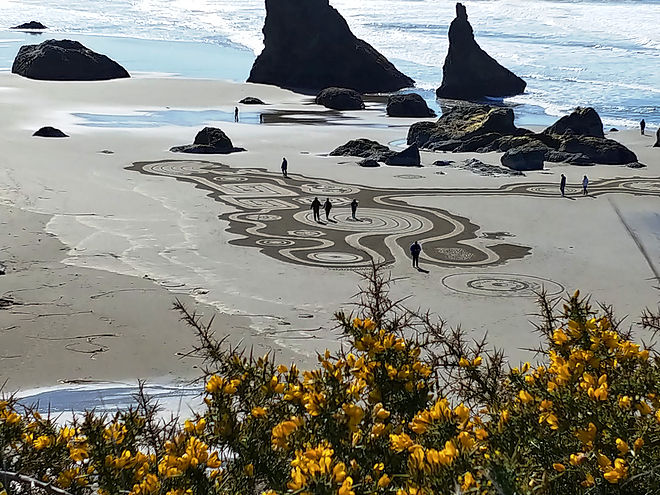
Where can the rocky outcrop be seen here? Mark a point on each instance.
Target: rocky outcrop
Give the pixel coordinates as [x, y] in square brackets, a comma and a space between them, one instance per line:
[522, 159]
[583, 121]
[209, 140]
[408, 105]
[469, 72]
[32, 25]
[251, 100]
[50, 132]
[340, 99]
[364, 148]
[657, 138]
[481, 128]
[308, 45]
[464, 128]
[406, 158]
[65, 60]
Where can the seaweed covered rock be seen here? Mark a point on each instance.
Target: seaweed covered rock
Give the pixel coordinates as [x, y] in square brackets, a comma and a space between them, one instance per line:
[65, 60]
[523, 159]
[583, 121]
[209, 140]
[251, 100]
[364, 148]
[309, 46]
[340, 99]
[469, 72]
[408, 105]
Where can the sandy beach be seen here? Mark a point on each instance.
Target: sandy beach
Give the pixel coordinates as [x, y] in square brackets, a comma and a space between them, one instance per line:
[103, 230]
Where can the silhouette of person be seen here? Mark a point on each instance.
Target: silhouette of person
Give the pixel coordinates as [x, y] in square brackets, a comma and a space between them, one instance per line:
[415, 249]
[316, 208]
[235, 114]
[562, 184]
[354, 205]
[585, 184]
[285, 166]
[327, 206]
[642, 126]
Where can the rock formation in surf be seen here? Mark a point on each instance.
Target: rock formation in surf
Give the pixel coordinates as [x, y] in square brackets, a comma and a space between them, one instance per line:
[469, 72]
[65, 60]
[309, 46]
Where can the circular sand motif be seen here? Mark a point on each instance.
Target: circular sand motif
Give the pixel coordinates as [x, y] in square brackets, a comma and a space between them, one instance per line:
[262, 217]
[176, 168]
[372, 221]
[338, 258]
[328, 189]
[553, 189]
[409, 176]
[274, 242]
[641, 186]
[306, 233]
[230, 178]
[500, 284]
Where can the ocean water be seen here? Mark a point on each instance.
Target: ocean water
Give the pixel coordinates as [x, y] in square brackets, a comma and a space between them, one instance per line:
[602, 53]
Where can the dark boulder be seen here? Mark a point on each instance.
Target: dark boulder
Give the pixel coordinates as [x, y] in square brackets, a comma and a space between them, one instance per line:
[462, 123]
[340, 99]
[308, 45]
[598, 150]
[407, 158]
[32, 25]
[50, 132]
[363, 148]
[614, 129]
[469, 72]
[65, 60]
[523, 159]
[251, 100]
[209, 140]
[583, 121]
[369, 163]
[408, 105]
[657, 138]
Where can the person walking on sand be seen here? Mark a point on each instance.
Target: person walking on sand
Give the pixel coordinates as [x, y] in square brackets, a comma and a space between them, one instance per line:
[316, 208]
[327, 206]
[354, 205]
[415, 249]
[235, 114]
[585, 184]
[642, 126]
[562, 185]
[285, 166]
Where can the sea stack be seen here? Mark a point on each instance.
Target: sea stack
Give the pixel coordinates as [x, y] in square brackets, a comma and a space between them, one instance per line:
[309, 46]
[469, 72]
[65, 60]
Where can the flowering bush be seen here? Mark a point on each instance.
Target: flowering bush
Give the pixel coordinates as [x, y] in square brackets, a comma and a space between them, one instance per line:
[408, 407]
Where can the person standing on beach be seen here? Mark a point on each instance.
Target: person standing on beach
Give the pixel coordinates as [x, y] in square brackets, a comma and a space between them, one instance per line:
[285, 166]
[354, 205]
[316, 208]
[562, 185]
[327, 206]
[415, 249]
[585, 184]
[642, 126]
[235, 114]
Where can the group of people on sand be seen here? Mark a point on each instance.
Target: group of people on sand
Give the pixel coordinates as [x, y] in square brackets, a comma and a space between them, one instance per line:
[585, 185]
[327, 206]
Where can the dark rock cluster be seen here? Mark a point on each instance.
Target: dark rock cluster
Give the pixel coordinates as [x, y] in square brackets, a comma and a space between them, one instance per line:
[32, 25]
[373, 152]
[482, 128]
[340, 99]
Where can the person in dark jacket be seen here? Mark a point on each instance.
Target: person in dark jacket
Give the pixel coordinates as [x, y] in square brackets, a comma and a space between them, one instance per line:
[415, 250]
[562, 185]
[316, 208]
[354, 205]
[327, 206]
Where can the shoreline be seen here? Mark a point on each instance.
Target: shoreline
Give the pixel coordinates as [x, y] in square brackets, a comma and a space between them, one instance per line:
[117, 225]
